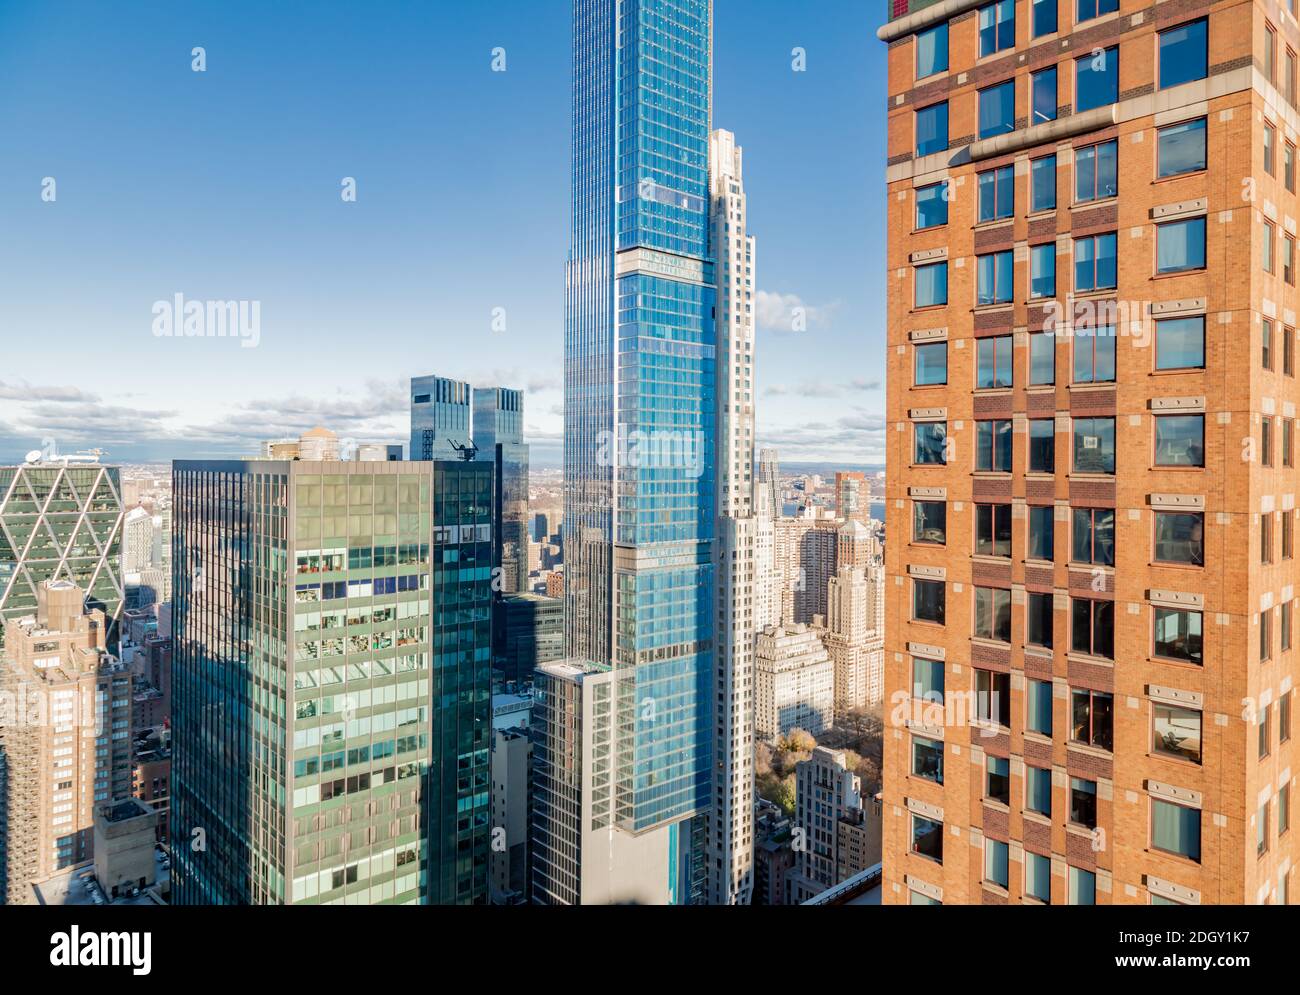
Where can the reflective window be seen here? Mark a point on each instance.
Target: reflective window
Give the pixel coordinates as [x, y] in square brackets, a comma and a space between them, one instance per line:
[1094, 354]
[1043, 17]
[1180, 537]
[1042, 96]
[993, 361]
[1094, 262]
[1096, 80]
[1042, 270]
[1184, 54]
[993, 529]
[1042, 445]
[1180, 440]
[994, 277]
[1095, 173]
[1038, 703]
[1083, 802]
[1092, 626]
[930, 439]
[997, 109]
[928, 601]
[997, 781]
[993, 614]
[932, 129]
[927, 758]
[1180, 343]
[931, 363]
[1086, 10]
[1180, 245]
[932, 284]
[1042, 358]
[927, 838]
[993, 445]
[996, 194]
[1083, 884]
[1094, 445]
[1092, 718]
[1176, 731]
[931, 206]
[1176, 829]
[1042, 183]
[927, 680]
[1180, 148]
[1038, 790]
[930, 522]
[997, 27]
[1042, 533]
[1178, 635]
[1038, 876]
[932, 50]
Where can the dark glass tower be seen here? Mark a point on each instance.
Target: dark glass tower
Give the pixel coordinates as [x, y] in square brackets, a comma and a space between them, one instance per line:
[331, 682]
[639, 399]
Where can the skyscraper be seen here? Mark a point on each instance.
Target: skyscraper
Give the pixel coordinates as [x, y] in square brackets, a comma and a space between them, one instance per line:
[440, 417]
[331, 682]
[640, 388]
[731, 823]
[499, 435]
[61, 519]
[1091, 462]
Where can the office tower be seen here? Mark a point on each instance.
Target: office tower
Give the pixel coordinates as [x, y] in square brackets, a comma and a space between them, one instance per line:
[856, 546]
[66, 746]
[825, 791]
[527, 629]
[61, 519]
[580, 855]
[846, 637]
[852, 496]
[1091, 463]
[362, 592]
[640, 382]
[137, 541]
[511, 759]
[499, 435]
[809, 548]
[769, 475]
[731, 822]
[440, 418]
[795, 682]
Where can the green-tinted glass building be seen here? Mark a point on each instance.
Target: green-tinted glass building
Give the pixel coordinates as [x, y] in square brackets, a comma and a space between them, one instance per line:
[60, 520]
[331, 678]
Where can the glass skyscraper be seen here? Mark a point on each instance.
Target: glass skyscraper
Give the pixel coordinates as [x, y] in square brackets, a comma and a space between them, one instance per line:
[331, 679]
[639, 400]
[499, 436]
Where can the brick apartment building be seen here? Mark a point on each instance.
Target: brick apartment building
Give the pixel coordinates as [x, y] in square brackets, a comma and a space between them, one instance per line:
[1091, 452]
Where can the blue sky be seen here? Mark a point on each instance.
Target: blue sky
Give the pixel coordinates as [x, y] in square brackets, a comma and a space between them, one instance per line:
[225, 184]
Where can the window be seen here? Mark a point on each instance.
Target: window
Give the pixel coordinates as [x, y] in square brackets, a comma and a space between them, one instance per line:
[1178, 635]
[1096, 80]
[1094, 354]
[1043, 18]
[1284, 715]
[1180, 537]
[931, 364]
[1094, 262]
[1094, 445]
[1288, 166]
[1180, 245]
[1284, 613]
[993, 529]
[993, 614]
[1288, 82]
[930, 522]
[1038, 876]
[1283, 808]
[1042, 95]
[932, 129]
[1266, 344]
[932, 50]
[1261, 830]
[931, 441]
[997, 27]
[997, 782]
[1088, 9]
[997, 109]
[1180, 440]
[995, 861]
[1042, 270]
[1180, 344]
[993, 697]
[1176, 829]
[996, 194]
[1265, 634]
[1270, 149]
[1266, 250]
[1042, 184]
[927, 758]
[993, 362]
[927, 680]
[1095, 172]
[1094, 536]
[1083, 802]
[931, 206]
[1042, 358]
[1288, 351]
[932, 284]
[927, 837]
[1262, 725]
[1038, 698]
[1176, 731]
[916, 898]
[1184, 54]
[1092, 718]
[1042, 445]
[1083, 884]
[993, 445]
[1041, 532]
[1288, 259]
[1266, 441]
[1288, 532]
[993, 278]
[1093, 627]
[1270, 53]
[1180, 148]
[928, 601]
[1038, 790]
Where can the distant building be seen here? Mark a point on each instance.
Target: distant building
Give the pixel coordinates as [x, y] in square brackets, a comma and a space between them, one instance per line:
[555, 584]
[852, 495]
[74, 753]
[499, 436]
[528, 630]
[511, 762]
[825, 792]
[796, 682]
[440, 417]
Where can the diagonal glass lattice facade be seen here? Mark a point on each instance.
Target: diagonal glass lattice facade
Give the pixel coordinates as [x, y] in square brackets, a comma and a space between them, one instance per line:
[640, 380]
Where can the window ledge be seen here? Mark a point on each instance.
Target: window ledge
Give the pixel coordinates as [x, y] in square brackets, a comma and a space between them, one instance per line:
[1074, 657]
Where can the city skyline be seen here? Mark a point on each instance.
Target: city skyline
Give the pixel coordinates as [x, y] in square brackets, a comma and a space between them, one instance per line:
[400, 279]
